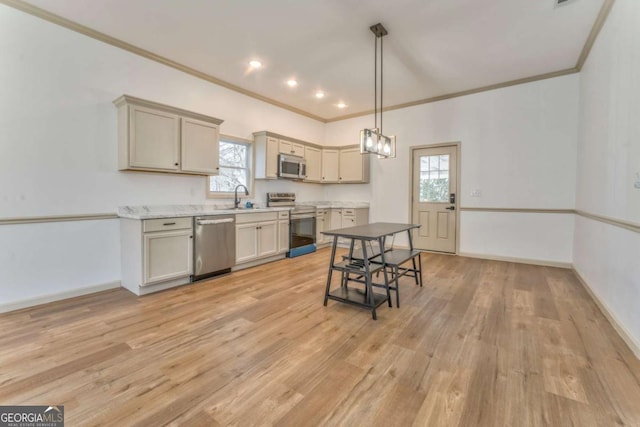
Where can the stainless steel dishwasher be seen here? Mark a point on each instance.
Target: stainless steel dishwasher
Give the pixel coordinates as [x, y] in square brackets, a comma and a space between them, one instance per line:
[214, 245]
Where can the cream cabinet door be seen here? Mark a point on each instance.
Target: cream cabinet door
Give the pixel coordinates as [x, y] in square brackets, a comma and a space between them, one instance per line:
[336, 219]
[351, 165]
[283, 236]
[154, 139]
[246, 242]
[313, 156]
[330, 169]
[200, 147]
[321, 223]
[297, 149]
[167, 255]
[271, 158]
[267, 238]
[285, 147]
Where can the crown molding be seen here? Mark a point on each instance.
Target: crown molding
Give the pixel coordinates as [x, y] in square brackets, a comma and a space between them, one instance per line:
[595, 31]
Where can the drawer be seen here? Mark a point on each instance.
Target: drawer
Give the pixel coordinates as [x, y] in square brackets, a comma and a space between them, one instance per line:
[162, 224]
[350, 212]
[321, 212]
[283, 214]
[256, 217]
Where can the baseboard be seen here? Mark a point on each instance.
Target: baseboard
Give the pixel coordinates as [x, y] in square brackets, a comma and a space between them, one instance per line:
[617, 325]
[44, 299]
[541, 262]
[258, 262]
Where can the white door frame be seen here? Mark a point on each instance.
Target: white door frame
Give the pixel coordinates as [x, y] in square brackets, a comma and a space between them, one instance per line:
[458, 146]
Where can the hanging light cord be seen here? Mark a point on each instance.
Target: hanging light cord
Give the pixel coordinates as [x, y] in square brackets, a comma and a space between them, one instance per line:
[381, 80]
[375, 84]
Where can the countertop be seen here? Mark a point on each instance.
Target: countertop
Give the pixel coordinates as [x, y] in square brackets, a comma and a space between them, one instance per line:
[176, 211]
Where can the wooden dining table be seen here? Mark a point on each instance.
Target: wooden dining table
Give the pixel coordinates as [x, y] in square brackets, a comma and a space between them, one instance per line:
[361, 265]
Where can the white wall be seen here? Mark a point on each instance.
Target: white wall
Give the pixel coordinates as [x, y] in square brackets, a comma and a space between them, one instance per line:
[518, 146]
[58, 149]
[608, 160]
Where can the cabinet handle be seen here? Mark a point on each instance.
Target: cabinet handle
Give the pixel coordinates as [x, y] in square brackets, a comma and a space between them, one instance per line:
[177, 164]
[191, 237]
[169, 223]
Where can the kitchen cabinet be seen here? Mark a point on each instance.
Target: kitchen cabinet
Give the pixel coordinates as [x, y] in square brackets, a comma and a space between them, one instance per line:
[256, 236]
[323, 222]
[159, 138]
[289, 147]
[266, 149]
[313, 156]
[156, 253]
[283, 232]
[353, 166]
[348, 217]
[330, 165]
[200, 147]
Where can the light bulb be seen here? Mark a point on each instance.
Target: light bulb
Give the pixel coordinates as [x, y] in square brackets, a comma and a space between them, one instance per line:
[369, 141]
[387, 148]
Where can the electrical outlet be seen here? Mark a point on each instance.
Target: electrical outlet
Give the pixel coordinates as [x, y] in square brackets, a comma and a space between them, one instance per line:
[476, 193]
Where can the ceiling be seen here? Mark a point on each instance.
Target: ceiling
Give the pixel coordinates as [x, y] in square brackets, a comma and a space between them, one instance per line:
[434, 47]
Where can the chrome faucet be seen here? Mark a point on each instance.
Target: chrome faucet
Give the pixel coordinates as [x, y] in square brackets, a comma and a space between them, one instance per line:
[236, 199]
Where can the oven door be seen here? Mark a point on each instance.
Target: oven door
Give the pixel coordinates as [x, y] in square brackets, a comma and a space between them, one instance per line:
[302, 230]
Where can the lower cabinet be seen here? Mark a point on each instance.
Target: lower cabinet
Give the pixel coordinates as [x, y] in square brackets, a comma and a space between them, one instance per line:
[348, 217]
[283, 231]
[156, 253]
[257, 236]
[167, 255]
[323, 223]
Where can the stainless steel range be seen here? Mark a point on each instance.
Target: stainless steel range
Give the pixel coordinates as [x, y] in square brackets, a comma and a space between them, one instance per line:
[302, 223]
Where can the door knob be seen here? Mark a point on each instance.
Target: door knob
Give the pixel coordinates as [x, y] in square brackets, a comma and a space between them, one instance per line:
[451, 208]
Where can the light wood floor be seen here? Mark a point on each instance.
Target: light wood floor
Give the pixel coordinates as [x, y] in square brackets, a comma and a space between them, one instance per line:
[484, 343]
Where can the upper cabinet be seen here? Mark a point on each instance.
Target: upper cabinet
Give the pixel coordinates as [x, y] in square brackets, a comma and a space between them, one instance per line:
[328, 165]
[289, 147]
[313, 156]
[354, 167]
[160, 138]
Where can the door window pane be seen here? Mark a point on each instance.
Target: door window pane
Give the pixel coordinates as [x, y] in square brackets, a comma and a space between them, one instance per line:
[434, 178]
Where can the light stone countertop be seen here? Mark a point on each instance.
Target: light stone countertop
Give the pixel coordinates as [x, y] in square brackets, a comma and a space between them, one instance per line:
[336, 204]
[176, 211]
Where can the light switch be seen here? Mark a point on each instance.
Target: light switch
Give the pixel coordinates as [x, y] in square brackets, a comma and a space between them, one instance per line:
[637, 183]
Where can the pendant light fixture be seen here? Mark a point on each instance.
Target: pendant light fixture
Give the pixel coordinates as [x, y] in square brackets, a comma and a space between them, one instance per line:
[373, 141]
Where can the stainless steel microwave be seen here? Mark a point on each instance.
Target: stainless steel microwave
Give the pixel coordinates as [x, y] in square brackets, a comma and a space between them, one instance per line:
[293, 167]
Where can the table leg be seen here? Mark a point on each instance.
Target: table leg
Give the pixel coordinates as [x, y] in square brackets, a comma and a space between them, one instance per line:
[329, 274]
[384, 270]
[367, 276]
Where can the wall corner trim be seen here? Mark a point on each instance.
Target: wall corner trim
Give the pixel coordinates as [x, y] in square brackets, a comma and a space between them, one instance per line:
[610, 316]
[58, 296]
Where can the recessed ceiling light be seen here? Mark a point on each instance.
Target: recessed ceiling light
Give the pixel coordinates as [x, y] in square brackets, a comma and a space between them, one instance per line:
[292, 83]
[341, 105]
[255, 64]
[319, 94]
